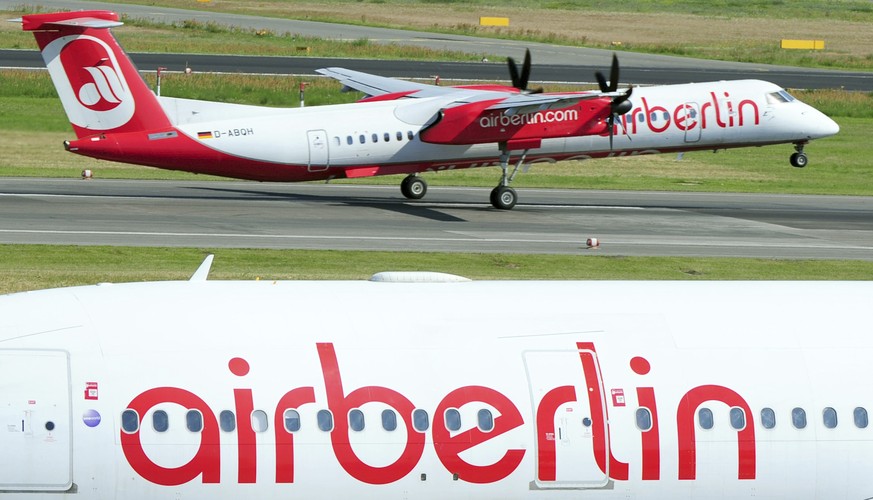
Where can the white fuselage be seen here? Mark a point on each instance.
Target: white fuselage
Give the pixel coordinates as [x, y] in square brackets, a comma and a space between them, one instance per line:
[434, 390]
[711, 115]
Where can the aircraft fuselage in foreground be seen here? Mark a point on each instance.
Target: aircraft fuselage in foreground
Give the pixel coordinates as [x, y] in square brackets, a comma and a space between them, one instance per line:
[401, 127]
[437, 390]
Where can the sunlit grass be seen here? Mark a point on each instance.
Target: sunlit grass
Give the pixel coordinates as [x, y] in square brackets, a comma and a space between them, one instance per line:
[33, 127]
[31, 267]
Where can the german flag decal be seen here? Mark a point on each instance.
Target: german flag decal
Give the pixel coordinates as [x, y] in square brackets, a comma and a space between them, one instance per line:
[204, 135]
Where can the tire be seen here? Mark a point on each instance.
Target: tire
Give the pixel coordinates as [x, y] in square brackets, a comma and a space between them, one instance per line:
[413, 187]
[799, 160]
[503, 198]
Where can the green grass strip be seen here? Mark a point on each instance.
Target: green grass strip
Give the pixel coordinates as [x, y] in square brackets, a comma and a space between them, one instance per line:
[31, 267]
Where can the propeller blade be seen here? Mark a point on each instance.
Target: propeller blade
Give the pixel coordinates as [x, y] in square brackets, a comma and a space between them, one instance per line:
[513, 72]
[613, 74]
[609, 122]
[525, 70]
[601, 81]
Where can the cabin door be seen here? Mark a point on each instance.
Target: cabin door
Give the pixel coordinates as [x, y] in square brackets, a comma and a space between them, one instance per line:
[692, 122]
[318, 150]
[35, 421]
[569, 445]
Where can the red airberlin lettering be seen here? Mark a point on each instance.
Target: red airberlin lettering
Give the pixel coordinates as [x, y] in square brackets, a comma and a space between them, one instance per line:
[340, 404]
[454, 449]
[717, 112]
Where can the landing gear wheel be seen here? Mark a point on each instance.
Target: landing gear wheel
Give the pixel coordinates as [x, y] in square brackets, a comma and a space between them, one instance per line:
[503, 198]
[413, 187]
[799, 160]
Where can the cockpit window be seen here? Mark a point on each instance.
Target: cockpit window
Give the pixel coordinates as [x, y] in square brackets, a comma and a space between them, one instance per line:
[777, 97]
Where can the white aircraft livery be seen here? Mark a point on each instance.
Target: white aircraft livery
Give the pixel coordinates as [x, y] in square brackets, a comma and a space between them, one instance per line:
[417, 386]
[401, 127]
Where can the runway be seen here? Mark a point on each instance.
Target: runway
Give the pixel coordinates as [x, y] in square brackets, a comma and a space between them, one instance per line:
[345, 217]
[551, 63]
[792, 78]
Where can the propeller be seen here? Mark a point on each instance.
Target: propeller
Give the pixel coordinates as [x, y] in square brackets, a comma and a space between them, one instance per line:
[519, 80]
[620, 104]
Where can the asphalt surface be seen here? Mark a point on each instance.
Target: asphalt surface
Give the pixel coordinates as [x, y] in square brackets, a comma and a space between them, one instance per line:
[246, 214]
[552, 63]
[319, 216]
[492, 71]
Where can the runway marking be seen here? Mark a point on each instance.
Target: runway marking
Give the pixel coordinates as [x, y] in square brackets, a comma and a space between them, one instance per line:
[393, 201]
[617, 242]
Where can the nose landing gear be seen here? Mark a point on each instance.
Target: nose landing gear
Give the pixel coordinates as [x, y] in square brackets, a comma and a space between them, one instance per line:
[799, 159]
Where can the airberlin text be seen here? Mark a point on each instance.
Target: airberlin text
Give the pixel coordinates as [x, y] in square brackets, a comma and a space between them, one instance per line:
[501, 120]
[451, 447]
[719, 111]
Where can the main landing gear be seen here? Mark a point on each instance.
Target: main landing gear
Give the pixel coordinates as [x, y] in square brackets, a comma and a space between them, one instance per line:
[504, 197]
[413, 187]
[799, 159]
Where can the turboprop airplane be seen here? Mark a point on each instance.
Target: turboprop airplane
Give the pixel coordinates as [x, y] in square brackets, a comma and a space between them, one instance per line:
[611, 390]
[401, 127]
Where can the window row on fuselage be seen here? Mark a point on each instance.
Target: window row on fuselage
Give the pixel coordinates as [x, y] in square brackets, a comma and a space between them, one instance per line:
[292, 421]
[737, 418]
[374, 138]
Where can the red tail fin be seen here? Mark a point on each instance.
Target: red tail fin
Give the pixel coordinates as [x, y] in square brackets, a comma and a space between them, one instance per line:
[99, 86]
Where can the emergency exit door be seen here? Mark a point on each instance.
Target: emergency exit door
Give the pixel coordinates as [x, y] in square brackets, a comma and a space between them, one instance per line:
[319, 158]
[35, 421]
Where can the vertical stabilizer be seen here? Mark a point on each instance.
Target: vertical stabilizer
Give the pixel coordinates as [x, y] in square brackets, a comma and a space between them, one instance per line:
[99, 86]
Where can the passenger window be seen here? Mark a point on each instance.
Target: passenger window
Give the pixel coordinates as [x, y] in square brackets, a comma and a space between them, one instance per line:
[292, 420]
[260, 421]
[738, 418]
[399, 135]
[356, 420]
[860, 418]
[410, 135]
[362, 138]
[768, 418]
[453, 419]
[194, 421]
[227, 421]
[642, 118]
[829, 417]
[325, 420]
[336, 141]
[666, 116]
[486, 420]
[375, 137]
[644, 419]
[420, 420]
[389, 420]
[160, 421]
[349, 140]
[704, 418]
[387, 137]
[129, 421]
[798, 418]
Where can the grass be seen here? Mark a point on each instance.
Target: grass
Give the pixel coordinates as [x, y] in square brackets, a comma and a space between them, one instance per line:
[192, 36]
[748, 30]
[33, 127]
[31, 267]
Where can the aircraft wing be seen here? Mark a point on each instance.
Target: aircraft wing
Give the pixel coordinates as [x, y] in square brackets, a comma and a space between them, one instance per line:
[522, 104]
[374, 85]
[512, 103]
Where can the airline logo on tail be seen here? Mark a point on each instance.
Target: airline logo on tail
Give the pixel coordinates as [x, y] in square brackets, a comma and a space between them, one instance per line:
[90, 83]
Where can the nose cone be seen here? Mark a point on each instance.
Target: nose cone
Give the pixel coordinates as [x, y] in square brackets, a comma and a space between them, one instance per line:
[817, 125]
